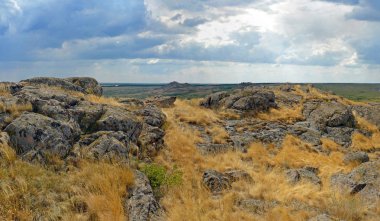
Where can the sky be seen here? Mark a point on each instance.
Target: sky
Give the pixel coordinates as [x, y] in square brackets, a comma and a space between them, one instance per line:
[195, 41]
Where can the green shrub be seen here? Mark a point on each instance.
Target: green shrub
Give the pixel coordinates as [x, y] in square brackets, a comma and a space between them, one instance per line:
[160, 178]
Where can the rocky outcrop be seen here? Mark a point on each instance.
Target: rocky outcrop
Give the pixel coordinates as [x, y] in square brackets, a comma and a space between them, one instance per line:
[119, 119]
[108, 132]
[248, 99]
[141, 204]
[35, 132]
[161, 101]
[322, 115]
[62, 106]
[84, 85]
[332, 119]
[90, 85]
[363, 180]
[106, 146]
[214, 100]
[217, 182]
[152, 116]
[86, 114]
[61, 123]
[152, 136]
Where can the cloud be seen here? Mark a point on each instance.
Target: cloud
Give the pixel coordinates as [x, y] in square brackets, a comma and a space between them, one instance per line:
[367, 10]
[320, 33]
[50, 23]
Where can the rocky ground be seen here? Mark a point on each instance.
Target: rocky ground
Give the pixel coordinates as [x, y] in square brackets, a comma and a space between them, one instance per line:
[283, 152]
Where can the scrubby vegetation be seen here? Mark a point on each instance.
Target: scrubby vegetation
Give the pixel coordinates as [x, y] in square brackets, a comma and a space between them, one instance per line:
[161, 179]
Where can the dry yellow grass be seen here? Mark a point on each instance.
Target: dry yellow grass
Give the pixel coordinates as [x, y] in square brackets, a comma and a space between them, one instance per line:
[219, 134]
[329, 144]
[189, 111]
[14, 110]
[228, 114]
[102, 186]
[103, 100]
[361, 142]
[364, 124]
[283, 114]
[265, 164]
[28, 191]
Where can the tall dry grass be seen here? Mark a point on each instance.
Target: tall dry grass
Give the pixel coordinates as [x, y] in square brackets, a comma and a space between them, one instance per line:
[218, 134]
[189, 111]
[30, 192]
[14, 110]
[283, 114]
[265, 164]
[103, 100]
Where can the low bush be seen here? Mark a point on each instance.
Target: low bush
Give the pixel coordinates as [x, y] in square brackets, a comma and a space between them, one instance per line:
[160, 178]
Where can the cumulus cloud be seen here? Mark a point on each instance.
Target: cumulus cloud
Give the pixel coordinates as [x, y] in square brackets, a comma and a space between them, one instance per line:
[287, 33]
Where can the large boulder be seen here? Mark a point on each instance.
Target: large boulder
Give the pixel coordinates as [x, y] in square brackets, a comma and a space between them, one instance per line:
[84, 85]
[152, 116]
[246, 100]
[141, 204]
[106, 146]
[86, 114]
[256, 102]
[90, 85]
[119, 119]
[213, 100]
[53, 82]
[303, 131]
[323, 114]
[61, 105]
[33, 131]
[151, 139]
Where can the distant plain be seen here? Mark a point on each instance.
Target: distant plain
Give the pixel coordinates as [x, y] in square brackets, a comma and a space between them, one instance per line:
[356, 92]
